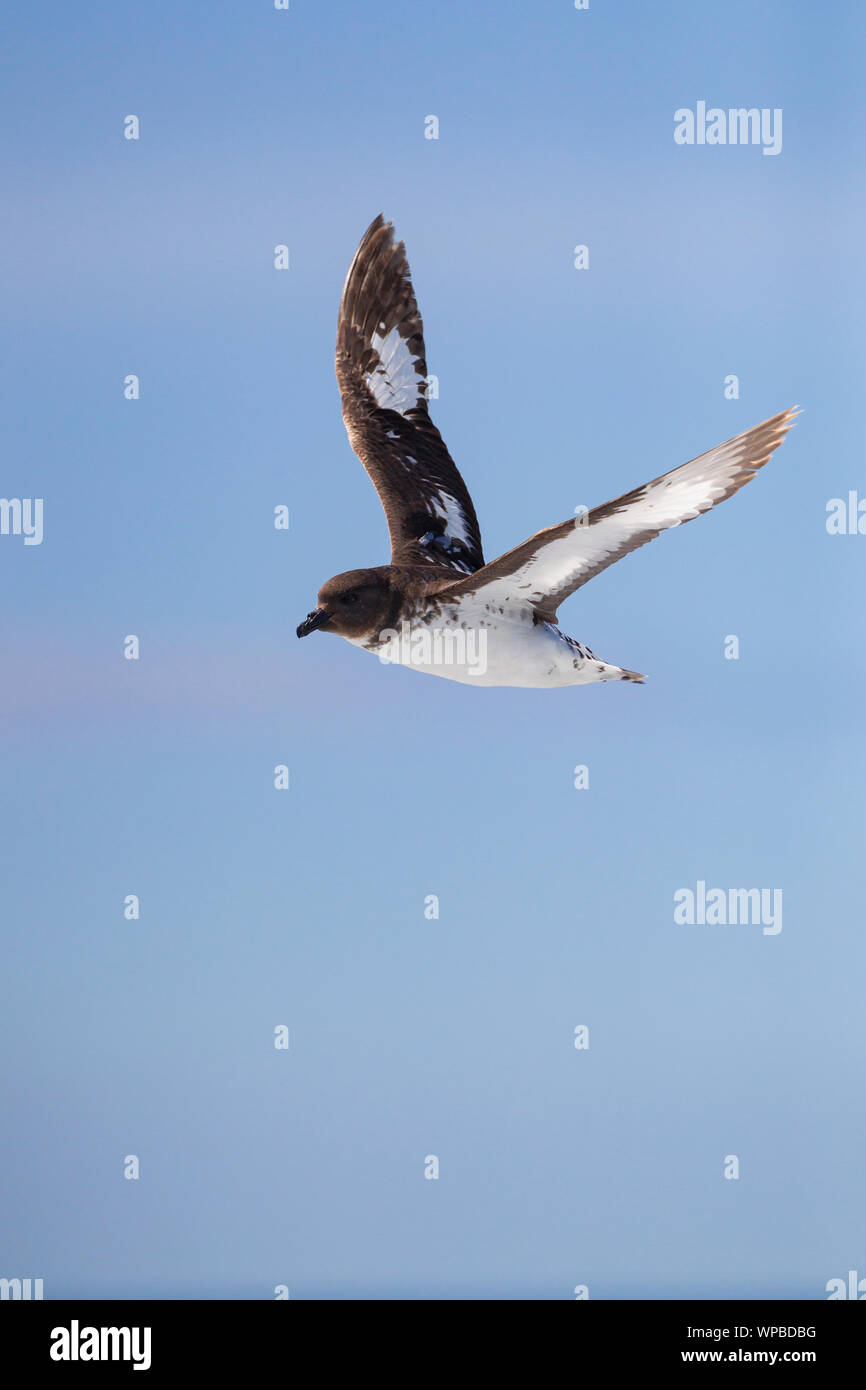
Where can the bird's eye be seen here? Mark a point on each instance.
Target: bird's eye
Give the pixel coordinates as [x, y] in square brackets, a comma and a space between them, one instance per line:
[351, 597]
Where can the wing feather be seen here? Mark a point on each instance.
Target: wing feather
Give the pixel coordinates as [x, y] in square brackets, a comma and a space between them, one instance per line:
[548, 567]
[382, 372]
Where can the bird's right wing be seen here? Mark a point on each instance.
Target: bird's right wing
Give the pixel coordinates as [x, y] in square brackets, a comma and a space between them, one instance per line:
[548, 567]
[382, 373]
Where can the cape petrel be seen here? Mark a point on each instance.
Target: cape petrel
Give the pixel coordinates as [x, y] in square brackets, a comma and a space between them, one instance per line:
[438, 607]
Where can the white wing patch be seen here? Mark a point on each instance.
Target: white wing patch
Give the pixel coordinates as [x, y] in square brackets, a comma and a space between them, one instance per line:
[553, 565]
[396, 383]
[559, 561]
[676, 497]
[448, 509]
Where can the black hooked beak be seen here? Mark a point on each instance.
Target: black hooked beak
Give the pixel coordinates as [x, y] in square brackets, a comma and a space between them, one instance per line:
[320, 617]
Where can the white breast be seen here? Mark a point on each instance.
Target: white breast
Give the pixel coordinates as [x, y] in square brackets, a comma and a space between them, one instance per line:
[477, 644]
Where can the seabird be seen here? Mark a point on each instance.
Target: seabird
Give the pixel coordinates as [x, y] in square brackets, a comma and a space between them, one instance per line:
[437, 606]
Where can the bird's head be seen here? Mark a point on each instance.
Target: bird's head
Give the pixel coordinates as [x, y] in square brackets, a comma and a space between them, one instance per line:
[355, 604]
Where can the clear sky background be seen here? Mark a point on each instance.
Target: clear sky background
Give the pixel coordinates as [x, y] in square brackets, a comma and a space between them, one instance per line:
[413, 1037]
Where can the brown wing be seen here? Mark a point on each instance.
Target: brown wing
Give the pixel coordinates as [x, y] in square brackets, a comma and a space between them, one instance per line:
[382, 372]
[548, 567]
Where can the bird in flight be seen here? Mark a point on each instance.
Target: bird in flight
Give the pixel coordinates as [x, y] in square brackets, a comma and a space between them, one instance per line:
[437, 607]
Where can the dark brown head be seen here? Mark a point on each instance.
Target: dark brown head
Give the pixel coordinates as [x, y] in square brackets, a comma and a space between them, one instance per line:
[355, 604]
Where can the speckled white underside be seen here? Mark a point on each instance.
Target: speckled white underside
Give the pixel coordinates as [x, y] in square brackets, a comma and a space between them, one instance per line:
[496, 649]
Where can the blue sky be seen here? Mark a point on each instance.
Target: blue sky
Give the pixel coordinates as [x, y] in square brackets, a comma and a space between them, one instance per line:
[558, 387]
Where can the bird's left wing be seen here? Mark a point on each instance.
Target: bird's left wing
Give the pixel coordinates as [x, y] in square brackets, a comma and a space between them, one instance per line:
[548, 567]
[382, 373]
